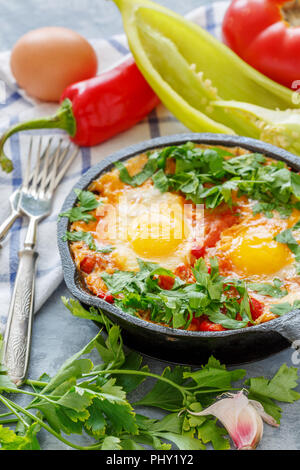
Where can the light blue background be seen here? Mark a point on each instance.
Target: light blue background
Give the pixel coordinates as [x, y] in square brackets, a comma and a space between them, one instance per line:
[57, 335]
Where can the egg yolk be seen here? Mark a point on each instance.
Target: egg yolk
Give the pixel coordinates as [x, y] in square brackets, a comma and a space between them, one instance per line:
[255, 255]
[157, 235]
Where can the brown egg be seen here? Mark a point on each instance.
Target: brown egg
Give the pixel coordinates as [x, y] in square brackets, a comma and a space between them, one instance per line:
[46, 60]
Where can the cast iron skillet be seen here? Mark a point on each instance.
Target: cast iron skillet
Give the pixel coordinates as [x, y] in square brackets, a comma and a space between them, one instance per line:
[178, 346]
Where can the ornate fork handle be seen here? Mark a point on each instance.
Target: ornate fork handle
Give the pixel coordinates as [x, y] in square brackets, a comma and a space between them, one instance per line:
[18, 331]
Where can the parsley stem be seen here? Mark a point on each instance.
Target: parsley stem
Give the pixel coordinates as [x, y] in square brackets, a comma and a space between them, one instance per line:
[48, 428]
[32, 394]
[4, 415]
[213, 390]
[35, 383]
[11, 406]
[138, 372]
[8, 421]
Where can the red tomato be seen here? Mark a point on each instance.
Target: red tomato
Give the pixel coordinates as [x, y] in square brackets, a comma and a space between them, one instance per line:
[265, 33]
[215, 226]
[107, 297]
[204, 324]
[87, 264]
[185, 273]
[198, 252]
[256, 308]
[166, 282]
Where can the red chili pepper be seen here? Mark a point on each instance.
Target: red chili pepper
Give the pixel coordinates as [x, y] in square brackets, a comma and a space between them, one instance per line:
[106, 105]
[107, 297]
[266, 34]
[96, 109]
[87, 264]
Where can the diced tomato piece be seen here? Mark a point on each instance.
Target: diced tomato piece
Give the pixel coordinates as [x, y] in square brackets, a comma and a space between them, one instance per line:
[256, 308]
[166, 282]
[198, 251]
[207, 325]
[107, 297]
[204, 324]
[87, 264]
[215, 226]
[185, 273]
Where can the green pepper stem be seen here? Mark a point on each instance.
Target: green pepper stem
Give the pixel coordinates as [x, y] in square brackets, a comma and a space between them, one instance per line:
[64, 119]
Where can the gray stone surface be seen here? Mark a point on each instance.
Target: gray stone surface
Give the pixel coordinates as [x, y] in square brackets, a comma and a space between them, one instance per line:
[57, 335]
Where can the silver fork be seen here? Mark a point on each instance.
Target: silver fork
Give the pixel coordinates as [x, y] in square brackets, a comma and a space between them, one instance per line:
[35, 201]
[14, 198]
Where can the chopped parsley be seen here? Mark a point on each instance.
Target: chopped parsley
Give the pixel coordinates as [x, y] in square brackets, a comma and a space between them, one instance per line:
[140, 291]
[88, 239]
[274, 290]
[77, 236]
[286, 307]
[205, 176]
[105, 249]
[287, 237]
[86, 202]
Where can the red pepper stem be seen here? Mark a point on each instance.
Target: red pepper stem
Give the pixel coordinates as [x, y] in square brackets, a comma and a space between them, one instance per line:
[64, 119]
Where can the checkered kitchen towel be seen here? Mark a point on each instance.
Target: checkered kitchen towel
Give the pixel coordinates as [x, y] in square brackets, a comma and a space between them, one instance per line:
[15, 106]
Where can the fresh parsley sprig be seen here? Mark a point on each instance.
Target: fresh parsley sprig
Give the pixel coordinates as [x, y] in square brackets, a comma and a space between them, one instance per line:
[93, 398]
[86, 203]
[77, 236]
[88, 239]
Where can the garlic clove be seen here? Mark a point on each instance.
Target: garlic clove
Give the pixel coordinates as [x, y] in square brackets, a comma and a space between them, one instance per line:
[243, 419]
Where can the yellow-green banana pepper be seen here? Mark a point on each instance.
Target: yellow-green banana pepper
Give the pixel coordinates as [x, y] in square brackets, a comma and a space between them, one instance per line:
[202, 82]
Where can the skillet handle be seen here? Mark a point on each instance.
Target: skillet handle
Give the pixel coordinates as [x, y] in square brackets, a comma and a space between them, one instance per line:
[290, 328]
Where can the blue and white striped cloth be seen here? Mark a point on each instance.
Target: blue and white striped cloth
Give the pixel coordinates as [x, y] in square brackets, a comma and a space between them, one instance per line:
[15, 107]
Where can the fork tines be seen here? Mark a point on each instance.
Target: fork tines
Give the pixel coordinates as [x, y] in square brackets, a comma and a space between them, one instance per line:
[50, 167]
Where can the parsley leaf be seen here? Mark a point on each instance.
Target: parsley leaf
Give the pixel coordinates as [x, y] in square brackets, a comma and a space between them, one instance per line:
[286, 307]
[274, 290]
[215, 377]
[286, 237]
[279, 388]
[86, 203]
[211, 432]
[137, 180]
[86, 237]
[164, 395]
[78, 213]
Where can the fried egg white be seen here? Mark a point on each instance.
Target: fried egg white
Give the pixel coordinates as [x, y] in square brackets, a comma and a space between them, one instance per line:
[144, 223]
[251, 252]
[251, 249]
